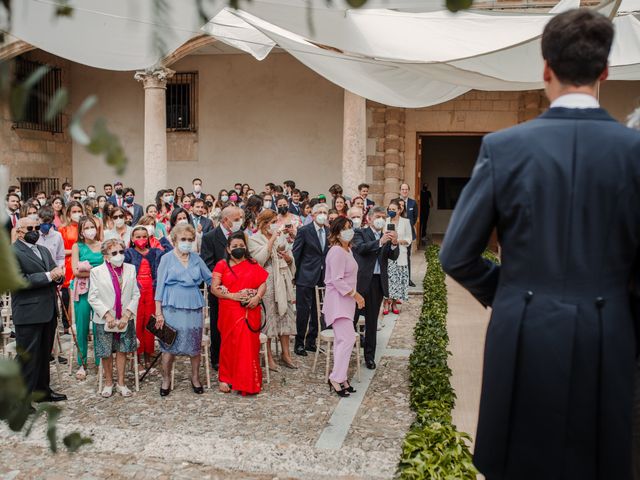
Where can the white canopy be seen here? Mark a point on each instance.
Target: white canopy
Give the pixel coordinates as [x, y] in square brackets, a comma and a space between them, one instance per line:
[411, 53]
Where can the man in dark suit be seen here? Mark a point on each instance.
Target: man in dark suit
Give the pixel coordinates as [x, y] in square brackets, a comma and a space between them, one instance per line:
[372, 250]
[117, 198]
[34, 308]
[560, 349]
[201, 223]
[363, 192]
[294, 202]
[411, 207]
[135, 209]
[212, 250]
[13, 211]
[197, 188]
[310, 248]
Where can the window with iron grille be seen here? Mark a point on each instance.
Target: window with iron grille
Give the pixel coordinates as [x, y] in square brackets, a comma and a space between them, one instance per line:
[30, 185]
[39, 97]
[182, 112]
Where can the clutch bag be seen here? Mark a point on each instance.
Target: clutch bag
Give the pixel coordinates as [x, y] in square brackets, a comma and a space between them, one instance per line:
[166, 334]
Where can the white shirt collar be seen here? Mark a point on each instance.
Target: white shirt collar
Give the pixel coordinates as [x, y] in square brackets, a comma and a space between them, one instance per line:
[575, 100]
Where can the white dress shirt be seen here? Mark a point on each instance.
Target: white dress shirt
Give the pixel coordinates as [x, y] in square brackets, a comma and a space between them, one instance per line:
[575, 100]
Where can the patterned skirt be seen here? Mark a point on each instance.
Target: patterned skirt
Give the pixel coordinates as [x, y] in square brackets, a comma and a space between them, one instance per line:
[188, 325]
[107, 343]
[398, 281]
[276, 324]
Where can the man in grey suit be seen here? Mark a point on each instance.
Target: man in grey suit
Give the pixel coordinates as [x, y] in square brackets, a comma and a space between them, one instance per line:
[34, 309]
[560, 347]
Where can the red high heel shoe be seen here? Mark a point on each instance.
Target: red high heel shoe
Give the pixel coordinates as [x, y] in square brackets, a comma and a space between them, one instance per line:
[385, 311]
[395, 311]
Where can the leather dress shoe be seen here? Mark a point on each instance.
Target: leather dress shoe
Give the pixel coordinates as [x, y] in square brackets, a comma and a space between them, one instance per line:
[61, 360]
[54, 397]
[371, 365]
[311, 348]
[299, 350]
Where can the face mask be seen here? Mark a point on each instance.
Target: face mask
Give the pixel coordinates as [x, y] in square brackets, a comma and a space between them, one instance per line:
[347, 235]
[33, 216]
[321, 218]
[197, 188]
[236, 226]
[238, 253]
[45, 227]
[42, 201]
[267, 204]
[95, 210]
[31, 237]
[150, 229]
[273, 228]
[182, 222]
[168, 199]
[379, 223]
[118, 191]
[283, 210]
[92, 194]
[117, 261]
[224, 198]
[90, 233]
[119, 222]
[357, 222]
[75, 217]
[233, 198]
[129, 200]
[185, 247]
[209, 203]
[83, 198]
[391, 214]
[141, 243]
[19, 194]
[67, 193]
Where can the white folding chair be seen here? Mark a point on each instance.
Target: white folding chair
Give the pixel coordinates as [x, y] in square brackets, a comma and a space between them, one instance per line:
[204, 355]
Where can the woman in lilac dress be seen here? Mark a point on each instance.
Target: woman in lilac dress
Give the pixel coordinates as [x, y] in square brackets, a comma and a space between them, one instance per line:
[340, 301]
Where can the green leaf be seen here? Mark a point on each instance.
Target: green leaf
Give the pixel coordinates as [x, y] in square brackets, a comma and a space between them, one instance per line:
[74, 441]
[75, 127]
[53, 413]
[57, 104]
[457, 5]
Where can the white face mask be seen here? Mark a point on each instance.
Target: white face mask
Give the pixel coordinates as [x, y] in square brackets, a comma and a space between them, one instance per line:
[273, 228]
[224, 198]
[347, 235]
[150, 229]
[321, 218]
[92, 194]
[42, 201]
[90, 233]
[197, 188]
[185, 247]
[33, 216]
[117, 261]
[118, 222]
[182, 222]
[236, 226]
[75, 217]
[379, 223]
[357, 222]
[267, 204]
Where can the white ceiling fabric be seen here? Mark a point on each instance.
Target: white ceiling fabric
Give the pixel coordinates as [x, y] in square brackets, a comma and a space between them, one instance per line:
[409, 53]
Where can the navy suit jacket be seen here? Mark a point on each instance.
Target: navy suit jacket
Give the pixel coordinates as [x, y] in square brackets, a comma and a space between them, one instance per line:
[207, 224]
[367, 251]
[412, 214]
[113, 200]
[309, 256]
[138, 212]
[213, 247]
[295, 209]
[562, 191]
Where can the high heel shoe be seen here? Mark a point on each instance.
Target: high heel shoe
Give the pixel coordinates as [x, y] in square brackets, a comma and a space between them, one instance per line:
[164, 391]
[349, 389]
[197, 390]
[341, 393]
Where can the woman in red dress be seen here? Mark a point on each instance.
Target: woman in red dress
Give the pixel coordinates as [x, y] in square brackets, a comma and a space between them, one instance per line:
[240, 283]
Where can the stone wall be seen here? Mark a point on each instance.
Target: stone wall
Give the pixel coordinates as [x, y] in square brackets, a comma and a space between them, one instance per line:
[32, 153]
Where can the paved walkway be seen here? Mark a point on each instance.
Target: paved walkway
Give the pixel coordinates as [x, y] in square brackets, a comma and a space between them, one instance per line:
[294, 429]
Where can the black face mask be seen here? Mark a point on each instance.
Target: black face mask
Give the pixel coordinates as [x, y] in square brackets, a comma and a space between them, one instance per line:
[209, 203]
[119, 191]
[238, 253]
[283, 210]
[31, 237]
[95, 210]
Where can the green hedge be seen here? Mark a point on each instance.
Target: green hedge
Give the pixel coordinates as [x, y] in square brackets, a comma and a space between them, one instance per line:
[433, 448]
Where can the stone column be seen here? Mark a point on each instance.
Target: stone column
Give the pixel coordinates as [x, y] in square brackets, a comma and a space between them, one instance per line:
[393, 152]
[155, 130]
[354, 143]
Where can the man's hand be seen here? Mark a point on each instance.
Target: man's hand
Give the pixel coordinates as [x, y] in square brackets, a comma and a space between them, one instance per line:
[199, 229]
[386, 237]
[394, 237]
[57, 273]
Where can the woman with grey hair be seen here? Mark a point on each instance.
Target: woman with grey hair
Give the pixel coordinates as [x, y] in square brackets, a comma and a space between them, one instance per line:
[113, 296]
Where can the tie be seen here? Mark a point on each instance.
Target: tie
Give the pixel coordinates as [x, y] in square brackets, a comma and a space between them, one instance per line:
[13, 219]
[35, 250]
[321, 238]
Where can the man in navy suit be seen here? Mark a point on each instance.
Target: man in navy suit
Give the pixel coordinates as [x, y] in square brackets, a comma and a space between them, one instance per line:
[117, 198]
[411, 207]
[363, 192]
[310, 248]
[560, 349]
[294, 202]
[201, 223]
[135, 209]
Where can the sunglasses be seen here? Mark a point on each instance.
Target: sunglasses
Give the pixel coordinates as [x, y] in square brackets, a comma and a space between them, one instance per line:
[31, 229]
[116, 252]
[115, 217]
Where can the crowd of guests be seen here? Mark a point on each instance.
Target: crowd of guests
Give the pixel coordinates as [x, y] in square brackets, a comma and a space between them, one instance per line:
[116, 264]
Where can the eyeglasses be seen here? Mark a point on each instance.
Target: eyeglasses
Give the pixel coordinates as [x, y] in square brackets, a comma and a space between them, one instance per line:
[117, 252]
[115, 217]
[31, 229]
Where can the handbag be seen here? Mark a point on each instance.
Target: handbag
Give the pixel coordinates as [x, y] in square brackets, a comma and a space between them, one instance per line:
[166, 334]
[263, 323]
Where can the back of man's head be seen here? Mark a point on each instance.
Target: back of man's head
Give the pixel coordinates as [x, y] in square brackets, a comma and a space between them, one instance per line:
[576, 45]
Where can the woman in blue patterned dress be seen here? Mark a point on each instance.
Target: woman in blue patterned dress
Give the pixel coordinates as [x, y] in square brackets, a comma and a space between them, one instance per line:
[179, 303]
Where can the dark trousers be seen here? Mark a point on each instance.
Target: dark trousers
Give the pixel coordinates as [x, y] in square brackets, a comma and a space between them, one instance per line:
[372, 302]
[64, 294]
[34, 343]
[306, 316]
[215, 333]
[424, 219]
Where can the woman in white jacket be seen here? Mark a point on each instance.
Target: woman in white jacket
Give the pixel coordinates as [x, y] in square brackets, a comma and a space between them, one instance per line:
[398, 269]
[270, 248]
[113, 296]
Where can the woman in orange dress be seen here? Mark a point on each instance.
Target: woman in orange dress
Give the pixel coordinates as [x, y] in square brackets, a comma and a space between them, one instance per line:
[69, 232]
[239, 282]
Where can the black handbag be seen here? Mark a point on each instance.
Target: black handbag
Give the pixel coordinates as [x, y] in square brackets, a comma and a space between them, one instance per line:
[166, 334]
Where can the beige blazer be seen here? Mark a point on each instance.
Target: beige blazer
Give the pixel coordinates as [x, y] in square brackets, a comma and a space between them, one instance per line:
[102, 296]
